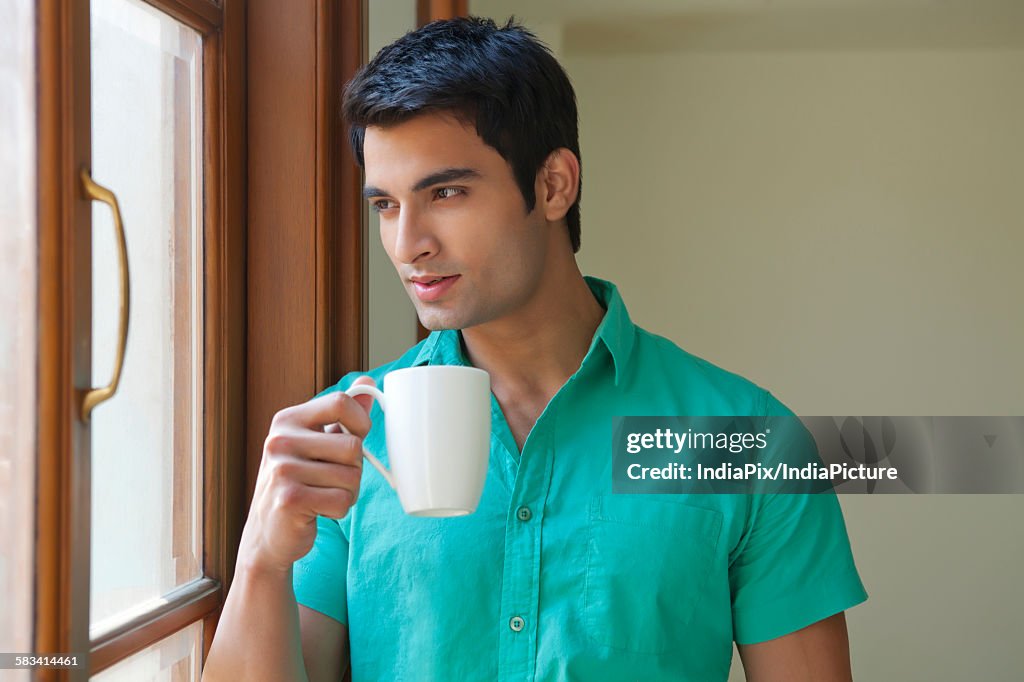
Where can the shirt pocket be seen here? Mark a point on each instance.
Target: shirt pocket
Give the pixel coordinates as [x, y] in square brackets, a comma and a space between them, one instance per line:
[648, 559]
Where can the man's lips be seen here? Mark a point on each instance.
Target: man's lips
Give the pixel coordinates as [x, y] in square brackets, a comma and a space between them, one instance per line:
[428, 278]
[432, 287]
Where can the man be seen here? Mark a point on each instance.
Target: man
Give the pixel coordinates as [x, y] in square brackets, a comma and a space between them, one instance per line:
[468, 136]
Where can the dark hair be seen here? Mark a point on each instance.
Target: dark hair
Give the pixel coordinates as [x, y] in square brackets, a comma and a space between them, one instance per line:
[503, 80]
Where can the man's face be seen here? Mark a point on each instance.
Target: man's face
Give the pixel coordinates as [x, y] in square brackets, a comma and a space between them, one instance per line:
[450, 208]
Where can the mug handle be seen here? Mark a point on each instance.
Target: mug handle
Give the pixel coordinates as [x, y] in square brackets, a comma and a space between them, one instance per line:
[376, 394]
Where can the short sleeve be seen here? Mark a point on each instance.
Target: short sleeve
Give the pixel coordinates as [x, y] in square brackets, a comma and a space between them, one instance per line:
[794, 565]
[319, 577]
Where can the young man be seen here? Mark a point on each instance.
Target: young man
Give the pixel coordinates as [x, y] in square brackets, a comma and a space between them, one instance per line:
[468, 136]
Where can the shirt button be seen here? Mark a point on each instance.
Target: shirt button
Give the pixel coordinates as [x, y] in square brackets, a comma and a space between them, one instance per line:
[516, 623]
[524, 514]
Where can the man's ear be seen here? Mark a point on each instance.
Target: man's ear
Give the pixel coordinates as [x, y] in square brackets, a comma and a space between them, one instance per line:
[558, 183]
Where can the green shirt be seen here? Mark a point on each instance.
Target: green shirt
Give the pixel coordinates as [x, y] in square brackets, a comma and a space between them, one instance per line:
[554, 577]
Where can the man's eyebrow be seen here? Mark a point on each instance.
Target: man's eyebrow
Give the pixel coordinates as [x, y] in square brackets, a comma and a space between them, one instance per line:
[371, 191]
[444, 175]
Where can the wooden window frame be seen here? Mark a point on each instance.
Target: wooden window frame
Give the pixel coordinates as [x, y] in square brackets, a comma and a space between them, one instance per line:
[432, 10]
[307, 256]
[248, 133]
[63, 480]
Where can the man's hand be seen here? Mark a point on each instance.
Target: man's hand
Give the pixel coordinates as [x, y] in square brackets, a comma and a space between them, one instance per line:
[310, 467]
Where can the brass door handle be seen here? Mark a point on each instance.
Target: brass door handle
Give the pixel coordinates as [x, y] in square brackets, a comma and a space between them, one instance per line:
[95, 396]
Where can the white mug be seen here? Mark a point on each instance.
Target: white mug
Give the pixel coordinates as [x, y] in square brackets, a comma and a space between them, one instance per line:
[437, 423]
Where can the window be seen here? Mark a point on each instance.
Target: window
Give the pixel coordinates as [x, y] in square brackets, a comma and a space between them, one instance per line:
[175, 658]
[140, 487]
[147, 438]
[153, 120]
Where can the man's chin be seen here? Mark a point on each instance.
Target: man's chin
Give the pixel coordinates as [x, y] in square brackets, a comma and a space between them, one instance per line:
[438, 327]
[436, 323]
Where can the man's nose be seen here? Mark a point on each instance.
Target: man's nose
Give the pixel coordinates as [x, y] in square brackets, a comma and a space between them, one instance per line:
[415, 239]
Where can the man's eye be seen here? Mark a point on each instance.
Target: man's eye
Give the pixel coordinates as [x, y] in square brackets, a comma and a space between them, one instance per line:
[380, 205]
[448, 192]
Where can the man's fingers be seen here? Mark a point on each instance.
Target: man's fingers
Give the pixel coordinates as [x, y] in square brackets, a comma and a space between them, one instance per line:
[339, 448]
[327, 409]
[333, 503]
[296, 470]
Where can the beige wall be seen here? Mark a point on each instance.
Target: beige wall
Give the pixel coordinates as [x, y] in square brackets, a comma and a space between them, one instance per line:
[844, 227]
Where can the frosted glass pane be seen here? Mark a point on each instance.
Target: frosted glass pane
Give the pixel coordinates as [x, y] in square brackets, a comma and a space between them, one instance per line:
[146, 441]
[18, 322]
[174, 659]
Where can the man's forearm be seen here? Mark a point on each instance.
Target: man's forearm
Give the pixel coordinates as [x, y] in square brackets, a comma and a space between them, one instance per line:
[258, 633]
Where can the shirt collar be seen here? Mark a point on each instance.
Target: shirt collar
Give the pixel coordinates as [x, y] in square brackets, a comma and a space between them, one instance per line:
[442, 348]
[616, 333]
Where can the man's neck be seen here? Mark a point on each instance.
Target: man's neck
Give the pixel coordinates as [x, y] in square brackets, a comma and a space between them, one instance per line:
[535, 352]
